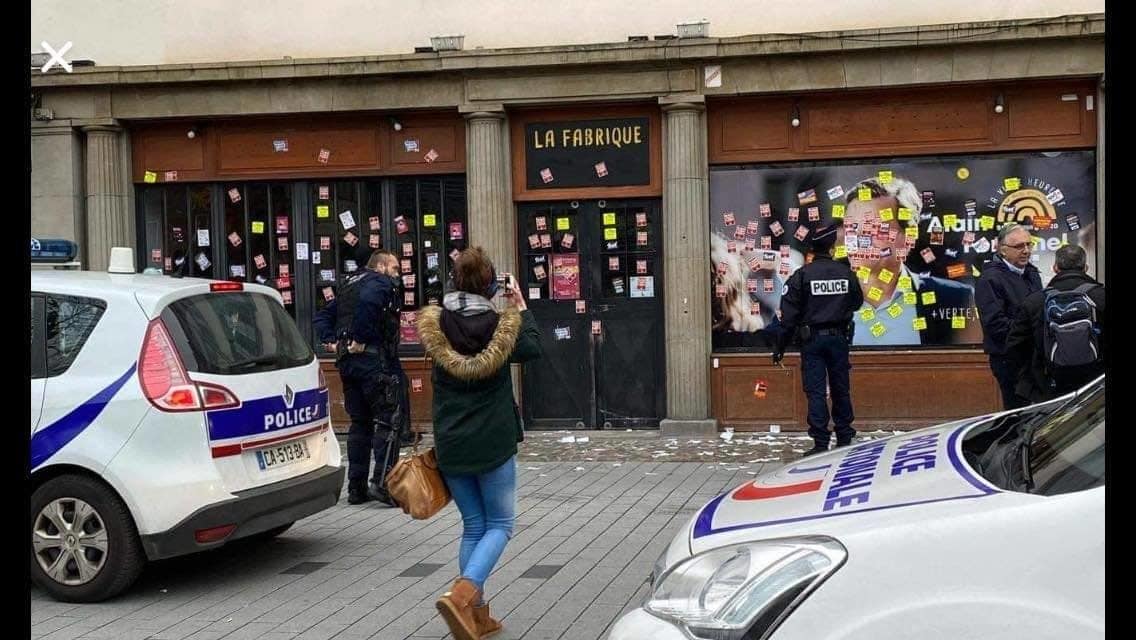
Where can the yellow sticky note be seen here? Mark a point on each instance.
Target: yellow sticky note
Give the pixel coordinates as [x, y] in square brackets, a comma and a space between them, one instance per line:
[323, 211]
[904, 284]
[878, 329]
[886, 276]
[909, 297]
[958, 322]
[837, 211]
[257, 226]
[875, 293]
[562, 224]
[928, 297]
[841, 251]
[904, 213]
[885, 177]
[895, 310]
[886, 214]
[986, 223]
[868, 314]
[609, 218]
[949, 220]
[609, 233]
[429, 220]
[150, 176]
[920, 323]
[1012, 184]
[863, 273]
[911, 232]
[864, 193]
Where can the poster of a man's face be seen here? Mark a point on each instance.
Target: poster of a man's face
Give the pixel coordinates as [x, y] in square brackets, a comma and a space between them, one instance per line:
[917, 232]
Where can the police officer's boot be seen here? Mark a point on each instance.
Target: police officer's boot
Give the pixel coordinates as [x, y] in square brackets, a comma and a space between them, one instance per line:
[379, 494]
[817, 448]
[357, 492]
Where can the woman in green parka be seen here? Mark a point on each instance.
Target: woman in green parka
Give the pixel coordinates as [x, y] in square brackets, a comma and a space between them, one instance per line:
[476, 423]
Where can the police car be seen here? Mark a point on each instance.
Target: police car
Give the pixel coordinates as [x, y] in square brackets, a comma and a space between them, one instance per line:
[168, 416]
[990, 527]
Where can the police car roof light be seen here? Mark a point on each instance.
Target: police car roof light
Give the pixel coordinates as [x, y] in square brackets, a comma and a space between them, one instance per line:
[121, 260]
[226, 286]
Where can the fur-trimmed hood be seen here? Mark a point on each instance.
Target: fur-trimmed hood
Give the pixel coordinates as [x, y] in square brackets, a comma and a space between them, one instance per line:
[482, 365]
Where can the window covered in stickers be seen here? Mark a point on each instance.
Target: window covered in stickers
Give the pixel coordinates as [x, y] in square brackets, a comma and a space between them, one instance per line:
[177, 229]
[917, 231]
[347, 228]
[429, 229]
[258, 236]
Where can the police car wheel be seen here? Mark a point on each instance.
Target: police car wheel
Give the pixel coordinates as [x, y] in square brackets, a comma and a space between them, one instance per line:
[84, 547]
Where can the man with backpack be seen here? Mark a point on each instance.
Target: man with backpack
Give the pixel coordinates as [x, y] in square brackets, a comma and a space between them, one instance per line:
[1057, 339]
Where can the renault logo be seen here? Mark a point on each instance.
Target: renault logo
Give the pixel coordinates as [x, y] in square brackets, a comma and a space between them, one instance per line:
[289, 396]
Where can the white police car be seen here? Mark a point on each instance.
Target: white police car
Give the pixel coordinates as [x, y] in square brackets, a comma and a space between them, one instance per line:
[991, 527]
[168, 416]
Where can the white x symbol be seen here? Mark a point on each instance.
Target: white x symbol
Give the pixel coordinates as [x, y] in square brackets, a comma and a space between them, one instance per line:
[56, 57]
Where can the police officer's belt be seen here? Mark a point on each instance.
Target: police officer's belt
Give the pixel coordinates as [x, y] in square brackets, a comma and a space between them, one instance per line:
[829, 331]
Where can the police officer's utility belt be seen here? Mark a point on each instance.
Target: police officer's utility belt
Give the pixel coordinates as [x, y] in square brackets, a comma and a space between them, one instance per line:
[829, 331]
[372, 349]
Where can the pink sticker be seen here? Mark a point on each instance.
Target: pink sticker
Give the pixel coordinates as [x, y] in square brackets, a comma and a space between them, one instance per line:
[749, 245]
[641, 267]
[325, 243]
[156, 255]
[407, 249]
[567, 241]
[171, 176]
[235, 195]
[641, 238]
[284, 270]
[456, 231]
[541, 223]
[287, 296]
[259, 260]
[802, 233]
[328, 294]
[752, 228]
[740, 233]
[546, 175]
[373, 223]
[324, 156]
[728, 218]
[723, 268]
[814, 214]
[534, 241]
[601, 169]
[766, 242]
[400, 225]
[720, 291]
[928, 255]
[785, 251]
[754, 309]
[408, 298]
[235, 239]
[374, 241]
[613, 263]
[324, 193]
[350, 238]
[546, 240]
[751, 285]
[281, 224]
[416, 385]
[282, 243]
[794, 214]
[731, 247]
[641, 219]
[767, 286]
[776, 228]
[430, 156]
[283, 283]
[405, 266]
[765, 210]
[581, 306]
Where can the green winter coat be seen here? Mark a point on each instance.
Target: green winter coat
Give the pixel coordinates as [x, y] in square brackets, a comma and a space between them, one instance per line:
[476, 422]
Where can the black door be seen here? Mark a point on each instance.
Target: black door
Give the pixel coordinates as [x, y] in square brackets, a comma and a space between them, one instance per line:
[592, 274]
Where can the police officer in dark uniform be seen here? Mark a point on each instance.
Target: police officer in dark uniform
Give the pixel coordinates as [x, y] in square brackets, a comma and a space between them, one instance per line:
[362, 327]
[817, 307]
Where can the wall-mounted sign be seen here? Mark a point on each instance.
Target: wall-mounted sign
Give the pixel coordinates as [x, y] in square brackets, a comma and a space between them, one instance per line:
[571, 151]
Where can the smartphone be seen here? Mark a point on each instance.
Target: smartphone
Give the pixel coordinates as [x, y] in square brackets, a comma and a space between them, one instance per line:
[505, 281]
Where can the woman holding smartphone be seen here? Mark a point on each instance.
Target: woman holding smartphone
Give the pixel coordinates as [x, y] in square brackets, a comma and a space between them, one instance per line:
[476, 422]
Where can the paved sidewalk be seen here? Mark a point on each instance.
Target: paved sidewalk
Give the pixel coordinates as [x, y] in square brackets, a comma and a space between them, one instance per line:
[592, 517]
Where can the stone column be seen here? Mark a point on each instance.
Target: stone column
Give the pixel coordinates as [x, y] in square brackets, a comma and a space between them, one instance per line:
[490, 205]
[489, 194]
[686, 220]
[57, 183]
[110, 222]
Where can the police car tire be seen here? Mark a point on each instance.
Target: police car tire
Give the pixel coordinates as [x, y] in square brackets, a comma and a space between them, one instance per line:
[125, 557]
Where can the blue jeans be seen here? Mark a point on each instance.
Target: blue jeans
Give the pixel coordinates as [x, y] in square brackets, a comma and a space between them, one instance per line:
[488, 505]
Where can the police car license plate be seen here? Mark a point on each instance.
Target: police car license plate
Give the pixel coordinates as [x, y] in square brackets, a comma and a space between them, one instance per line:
[282, 455]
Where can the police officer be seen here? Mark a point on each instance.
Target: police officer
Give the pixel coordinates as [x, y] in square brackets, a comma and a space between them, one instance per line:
[817, 307]
[361, 326]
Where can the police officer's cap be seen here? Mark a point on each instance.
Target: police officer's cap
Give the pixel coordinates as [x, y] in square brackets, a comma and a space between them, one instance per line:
[824, 238]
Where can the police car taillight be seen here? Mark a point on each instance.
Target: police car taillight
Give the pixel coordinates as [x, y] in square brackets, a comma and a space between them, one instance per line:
[226, 286]
[165, 382]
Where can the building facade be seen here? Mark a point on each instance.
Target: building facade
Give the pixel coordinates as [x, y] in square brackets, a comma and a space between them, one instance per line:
[652, 197]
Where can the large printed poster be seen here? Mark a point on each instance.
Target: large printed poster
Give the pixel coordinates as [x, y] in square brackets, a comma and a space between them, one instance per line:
[917, 231]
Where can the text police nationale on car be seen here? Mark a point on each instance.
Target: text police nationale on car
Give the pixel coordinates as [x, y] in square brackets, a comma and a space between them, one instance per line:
[990, 527]
[168, 416]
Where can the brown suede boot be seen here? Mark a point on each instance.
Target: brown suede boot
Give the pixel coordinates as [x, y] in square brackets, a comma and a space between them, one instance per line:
[456, 607]
[486, 625]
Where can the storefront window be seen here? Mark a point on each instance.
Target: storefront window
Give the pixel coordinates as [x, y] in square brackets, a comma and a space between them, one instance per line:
[917, 231]
[174, 218]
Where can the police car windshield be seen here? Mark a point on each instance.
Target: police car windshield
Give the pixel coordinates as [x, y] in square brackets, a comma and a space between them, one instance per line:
[234, 334]
[1066, 451]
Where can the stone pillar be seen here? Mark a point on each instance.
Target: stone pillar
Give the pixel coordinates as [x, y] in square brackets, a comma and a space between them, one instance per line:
[110, 222]
[489, 193]
[57, 183]
[487, 184]
[686, 243]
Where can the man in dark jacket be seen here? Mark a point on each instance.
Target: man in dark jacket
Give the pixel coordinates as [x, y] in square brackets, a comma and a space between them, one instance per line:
[362, 327]
[1037, 381]
[1006, 281]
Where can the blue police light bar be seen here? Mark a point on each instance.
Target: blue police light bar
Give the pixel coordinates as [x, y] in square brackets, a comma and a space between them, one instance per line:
[53, 251]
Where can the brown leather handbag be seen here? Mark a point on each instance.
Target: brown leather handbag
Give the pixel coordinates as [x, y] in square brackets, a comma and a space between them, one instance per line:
[417, 486]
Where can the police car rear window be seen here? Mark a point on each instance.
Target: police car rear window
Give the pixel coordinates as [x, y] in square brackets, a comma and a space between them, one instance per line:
[235, 334]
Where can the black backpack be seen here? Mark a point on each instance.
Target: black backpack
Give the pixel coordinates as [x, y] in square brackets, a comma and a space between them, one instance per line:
[1072, 333]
